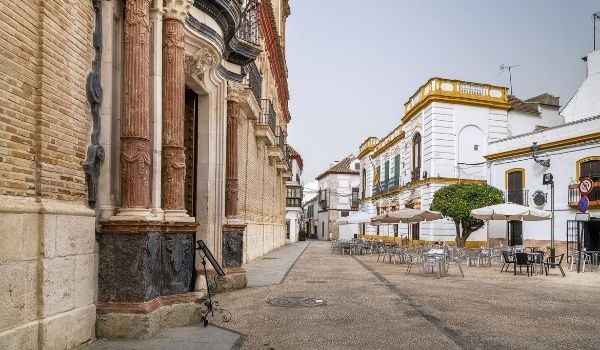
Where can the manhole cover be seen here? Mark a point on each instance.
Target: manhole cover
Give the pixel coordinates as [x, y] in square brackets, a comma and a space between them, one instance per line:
[296, 302]
[316, 281]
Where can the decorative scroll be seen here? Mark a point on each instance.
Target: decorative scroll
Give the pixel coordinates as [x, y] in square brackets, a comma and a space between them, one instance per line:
[95, 152]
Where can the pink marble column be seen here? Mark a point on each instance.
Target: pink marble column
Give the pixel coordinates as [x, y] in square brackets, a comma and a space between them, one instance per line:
[173, 150]
[231, 177]
[135, 121]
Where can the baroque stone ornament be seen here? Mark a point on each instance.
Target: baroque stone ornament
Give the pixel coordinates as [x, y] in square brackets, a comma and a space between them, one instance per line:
[231, 171]
[198, 63]
[95, 152]
[136, 149]
[177, 9]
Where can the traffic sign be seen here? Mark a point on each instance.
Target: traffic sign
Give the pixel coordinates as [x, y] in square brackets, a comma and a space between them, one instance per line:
[583, 204]
[586, 185]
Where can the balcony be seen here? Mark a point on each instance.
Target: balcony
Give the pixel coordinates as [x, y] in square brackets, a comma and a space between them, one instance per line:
[383, 186]
[255, 81]
[594, 197]
[265, 125]
[415, 175]
[517, 197]
[375, 189]
[248, 29]
[293, 202]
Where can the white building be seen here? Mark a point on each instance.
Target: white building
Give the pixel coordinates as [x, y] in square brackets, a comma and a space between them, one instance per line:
[574, 152]
[311, 209]
[293, 204]
[338, 196]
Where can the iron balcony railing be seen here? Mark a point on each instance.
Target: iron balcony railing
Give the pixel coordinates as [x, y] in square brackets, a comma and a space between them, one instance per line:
[249, 29]
[268, 115]
[375, 189]
[574, 195]
[383, 186]
[393, 183]
[255, 81]
[282, 136]
[517, 197]
[415, 175]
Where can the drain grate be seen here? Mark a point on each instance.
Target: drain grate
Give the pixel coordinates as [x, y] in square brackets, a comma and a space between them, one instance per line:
[316, 281]
[296, 302]
[269, 258]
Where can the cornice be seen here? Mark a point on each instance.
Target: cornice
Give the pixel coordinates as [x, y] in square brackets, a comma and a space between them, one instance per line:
[206, 32]
[545, 146]
[388, 144]
[428, 181]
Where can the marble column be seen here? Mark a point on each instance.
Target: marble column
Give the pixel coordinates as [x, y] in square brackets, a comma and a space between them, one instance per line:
[136, 148]
[231, 158]
[173, 150]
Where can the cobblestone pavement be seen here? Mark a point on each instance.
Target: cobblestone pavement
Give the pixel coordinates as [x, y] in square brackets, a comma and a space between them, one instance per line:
[370, 305]
[273, 267]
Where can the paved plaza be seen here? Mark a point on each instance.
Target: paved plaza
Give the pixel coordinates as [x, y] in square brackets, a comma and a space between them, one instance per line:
[373, 305]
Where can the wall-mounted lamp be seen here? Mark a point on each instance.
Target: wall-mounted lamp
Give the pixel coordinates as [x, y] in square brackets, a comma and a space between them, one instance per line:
[535, 153]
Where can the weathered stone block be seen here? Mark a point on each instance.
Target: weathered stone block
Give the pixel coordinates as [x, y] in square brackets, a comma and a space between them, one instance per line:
[31, 236]
[129, 267]
[233, 248]
[82, 325]
[54, 332]
[49, 237]
[19, 338]
[84, 285]
[11, 236]
[74, 235]
[57, 285]
[127, 326]
[13, 295]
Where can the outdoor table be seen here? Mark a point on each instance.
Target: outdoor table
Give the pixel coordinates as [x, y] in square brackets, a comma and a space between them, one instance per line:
[440, 257]
[537, 258]
[532, 249]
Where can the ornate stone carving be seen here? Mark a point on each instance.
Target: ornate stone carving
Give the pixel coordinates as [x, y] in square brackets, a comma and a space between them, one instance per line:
[177, 9]
[135, 123]
[173, 161]
[231, 173]
[95, 152]
[198, 63]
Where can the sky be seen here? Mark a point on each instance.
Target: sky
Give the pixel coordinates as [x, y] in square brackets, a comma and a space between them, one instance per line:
[353, 63]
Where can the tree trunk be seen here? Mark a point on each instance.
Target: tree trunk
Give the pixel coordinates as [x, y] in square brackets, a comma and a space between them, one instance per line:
[459, 241]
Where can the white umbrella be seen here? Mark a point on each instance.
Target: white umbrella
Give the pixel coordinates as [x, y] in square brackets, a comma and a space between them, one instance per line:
[510, 212]
[360, 217]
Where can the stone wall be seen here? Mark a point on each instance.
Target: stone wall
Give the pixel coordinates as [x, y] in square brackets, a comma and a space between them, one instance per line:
[47, 255]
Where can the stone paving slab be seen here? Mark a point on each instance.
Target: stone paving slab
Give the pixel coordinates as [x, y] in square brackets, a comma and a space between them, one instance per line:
[194, 337]
[272, 268]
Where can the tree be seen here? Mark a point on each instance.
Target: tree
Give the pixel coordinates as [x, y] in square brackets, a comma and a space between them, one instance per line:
[456, 202]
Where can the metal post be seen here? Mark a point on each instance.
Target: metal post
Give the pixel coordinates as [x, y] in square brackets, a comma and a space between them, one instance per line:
[579, 226]
[552, 248]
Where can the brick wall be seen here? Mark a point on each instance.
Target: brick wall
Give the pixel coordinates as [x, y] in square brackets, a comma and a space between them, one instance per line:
[44, 114]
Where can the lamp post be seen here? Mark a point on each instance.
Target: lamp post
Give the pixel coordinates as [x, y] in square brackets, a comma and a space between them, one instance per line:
[548, 179]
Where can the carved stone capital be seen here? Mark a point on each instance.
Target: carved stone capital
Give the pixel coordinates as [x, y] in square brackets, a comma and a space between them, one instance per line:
[177, 9]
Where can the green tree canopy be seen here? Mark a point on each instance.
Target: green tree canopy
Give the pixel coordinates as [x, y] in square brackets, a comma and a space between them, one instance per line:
[457, 200]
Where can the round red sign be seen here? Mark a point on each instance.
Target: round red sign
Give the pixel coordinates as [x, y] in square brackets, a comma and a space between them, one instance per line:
[586, 185]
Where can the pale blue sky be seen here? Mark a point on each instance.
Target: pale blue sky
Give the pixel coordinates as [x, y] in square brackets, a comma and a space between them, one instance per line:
[352, 64]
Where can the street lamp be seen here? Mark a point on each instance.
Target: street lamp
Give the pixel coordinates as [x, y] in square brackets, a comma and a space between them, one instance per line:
[535, 153]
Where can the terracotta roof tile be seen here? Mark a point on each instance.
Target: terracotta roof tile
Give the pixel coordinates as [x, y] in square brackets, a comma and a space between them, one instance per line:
[545, 99]
[520, 105]
[341, 167]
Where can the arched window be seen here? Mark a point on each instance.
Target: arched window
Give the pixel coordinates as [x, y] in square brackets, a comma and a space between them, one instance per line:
[416, 158]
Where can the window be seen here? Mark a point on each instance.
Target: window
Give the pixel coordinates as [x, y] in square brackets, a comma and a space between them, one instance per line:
[357, 166]
[515, 179]
[397, 168]
[324, 199]
[355, 199]
[386, 175]
[287, 229]
[344, 214]
[475, 147]
[590, 168]
[294, 197]
[416, 158]
[322, 229]
[395, 230]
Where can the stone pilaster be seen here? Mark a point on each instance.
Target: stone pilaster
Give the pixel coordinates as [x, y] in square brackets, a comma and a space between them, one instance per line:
[231, 162]
[136, 148]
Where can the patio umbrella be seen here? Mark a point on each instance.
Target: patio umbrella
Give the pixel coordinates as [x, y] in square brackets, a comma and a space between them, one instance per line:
[360, 217]
[409, 215]
[510, 212]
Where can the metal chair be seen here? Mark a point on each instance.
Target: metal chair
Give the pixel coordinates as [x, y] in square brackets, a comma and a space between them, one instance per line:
[551, 262]
[521, 259]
